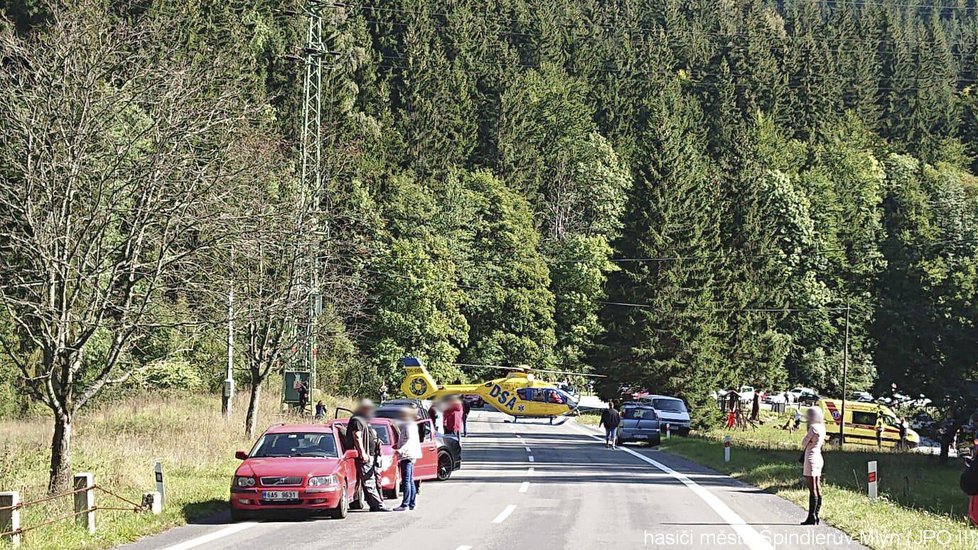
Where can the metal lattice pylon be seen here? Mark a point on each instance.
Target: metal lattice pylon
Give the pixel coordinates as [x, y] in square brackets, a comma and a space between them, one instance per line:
[311, 172]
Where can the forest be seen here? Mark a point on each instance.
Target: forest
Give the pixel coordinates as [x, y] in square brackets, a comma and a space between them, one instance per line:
[684, 195]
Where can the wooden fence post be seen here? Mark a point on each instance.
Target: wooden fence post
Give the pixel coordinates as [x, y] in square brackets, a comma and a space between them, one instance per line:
[85, 500]
[10, 517]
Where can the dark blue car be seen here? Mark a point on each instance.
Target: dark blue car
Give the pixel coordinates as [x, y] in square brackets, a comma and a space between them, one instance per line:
[639, 423]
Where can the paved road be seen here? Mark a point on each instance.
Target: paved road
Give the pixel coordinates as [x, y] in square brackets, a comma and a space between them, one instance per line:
[531, 485]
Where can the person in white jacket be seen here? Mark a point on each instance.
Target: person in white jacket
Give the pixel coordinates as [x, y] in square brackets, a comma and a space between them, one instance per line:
[408, 451]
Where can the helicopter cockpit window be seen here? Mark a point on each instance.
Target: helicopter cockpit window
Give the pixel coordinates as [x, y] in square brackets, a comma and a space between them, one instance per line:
[526, 394]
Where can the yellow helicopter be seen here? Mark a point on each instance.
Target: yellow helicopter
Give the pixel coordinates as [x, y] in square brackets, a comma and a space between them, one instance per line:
[518, 394]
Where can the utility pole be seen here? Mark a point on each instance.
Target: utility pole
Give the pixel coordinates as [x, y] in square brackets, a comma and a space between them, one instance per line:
[227, 395]
[845, 380]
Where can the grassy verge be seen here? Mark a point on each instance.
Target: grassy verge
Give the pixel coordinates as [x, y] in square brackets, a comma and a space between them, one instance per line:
[119, 444]
[920, 498]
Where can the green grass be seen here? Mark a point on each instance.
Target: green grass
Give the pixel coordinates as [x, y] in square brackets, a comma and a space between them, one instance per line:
[917, 494]
[119, 444]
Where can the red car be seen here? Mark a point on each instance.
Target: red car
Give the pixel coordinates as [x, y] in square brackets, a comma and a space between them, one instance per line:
[425, 468]
[295, 467]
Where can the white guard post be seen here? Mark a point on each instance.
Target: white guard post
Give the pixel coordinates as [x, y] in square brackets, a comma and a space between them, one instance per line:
[872, 480]
[726, 448]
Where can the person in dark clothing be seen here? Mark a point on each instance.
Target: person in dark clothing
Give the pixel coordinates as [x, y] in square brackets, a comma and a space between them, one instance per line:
[320, 410]
[610, 419]
[755, 409]
[466, 409]
[903, 433]
[303, 391]
[363, 439]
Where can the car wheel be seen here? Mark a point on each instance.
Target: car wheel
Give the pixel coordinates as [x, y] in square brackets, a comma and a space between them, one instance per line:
[444, 466]
[655, 442]
[359, 501]
[239, 515]
[342, 509]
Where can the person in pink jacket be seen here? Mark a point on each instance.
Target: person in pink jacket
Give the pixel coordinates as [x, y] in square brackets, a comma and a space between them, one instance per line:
[813, 462]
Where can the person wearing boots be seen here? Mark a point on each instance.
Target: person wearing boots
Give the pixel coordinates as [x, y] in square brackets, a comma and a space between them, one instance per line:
[813, 462]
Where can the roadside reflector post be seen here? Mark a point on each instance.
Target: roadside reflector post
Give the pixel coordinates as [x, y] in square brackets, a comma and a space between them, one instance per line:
[872, 480]
[152, 503]
[726, 448]
[668, 430]
[10, 517]
[158, 472]
[85, 500]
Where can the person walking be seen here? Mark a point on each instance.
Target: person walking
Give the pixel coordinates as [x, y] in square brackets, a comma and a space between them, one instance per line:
[361, 438]
[610, 419]
[811, 457]
[408, 452]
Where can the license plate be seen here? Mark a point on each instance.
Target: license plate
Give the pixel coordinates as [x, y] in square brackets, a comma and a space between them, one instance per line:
[280, 495]
[640, 436]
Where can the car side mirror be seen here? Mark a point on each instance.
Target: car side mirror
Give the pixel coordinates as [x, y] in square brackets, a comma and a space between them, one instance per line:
[350, 455]
[241, 455]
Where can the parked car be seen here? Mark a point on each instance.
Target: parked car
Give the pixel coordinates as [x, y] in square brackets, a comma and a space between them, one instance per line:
[775, 398]
[862, 397]
[639, 423]
[294, 467]
[425, 467]
[670, 410]
[449, 449]
[746, 393]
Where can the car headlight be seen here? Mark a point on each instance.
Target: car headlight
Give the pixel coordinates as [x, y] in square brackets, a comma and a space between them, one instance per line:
[320, 481]
[244, 481]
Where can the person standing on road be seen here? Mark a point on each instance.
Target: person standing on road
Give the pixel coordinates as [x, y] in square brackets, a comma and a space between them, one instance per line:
[454, 418]
[408, 452]
[879, 430]
[811, 457]
[466, 409]
[610, 419]
[361, 438]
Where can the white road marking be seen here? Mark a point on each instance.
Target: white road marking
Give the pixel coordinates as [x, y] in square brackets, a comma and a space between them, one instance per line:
[464, 548]
[211, 537]
[529, 471]
[504, 514]
[527, 449]
[524, 486]
[530, 458]
[748, 534]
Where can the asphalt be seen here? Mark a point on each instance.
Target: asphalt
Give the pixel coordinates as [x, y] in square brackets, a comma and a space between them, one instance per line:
[532, 485]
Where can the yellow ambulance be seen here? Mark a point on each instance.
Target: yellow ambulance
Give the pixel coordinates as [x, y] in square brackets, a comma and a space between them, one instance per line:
[861, 421]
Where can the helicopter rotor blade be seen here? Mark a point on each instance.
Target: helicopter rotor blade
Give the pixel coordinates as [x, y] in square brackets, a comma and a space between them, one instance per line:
[531, 369]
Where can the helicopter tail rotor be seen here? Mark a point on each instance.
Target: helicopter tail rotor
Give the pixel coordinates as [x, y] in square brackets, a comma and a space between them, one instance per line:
[418, 383]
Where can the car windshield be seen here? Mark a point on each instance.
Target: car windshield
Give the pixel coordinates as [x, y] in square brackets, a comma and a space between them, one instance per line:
[639, 414]
[291, 444]
[669, 405]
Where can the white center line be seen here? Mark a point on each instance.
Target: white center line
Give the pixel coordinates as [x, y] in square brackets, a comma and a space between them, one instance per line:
[211, 537]
[530, 458]
[750, 536]
[504, 514]
[527, 449]
[464, 548]
[524, 486]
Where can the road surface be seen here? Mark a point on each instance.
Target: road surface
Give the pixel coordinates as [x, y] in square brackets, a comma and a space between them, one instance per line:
[533, 486]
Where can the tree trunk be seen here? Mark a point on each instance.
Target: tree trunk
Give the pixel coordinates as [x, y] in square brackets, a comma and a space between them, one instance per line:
[60, 474]
[252, 415]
